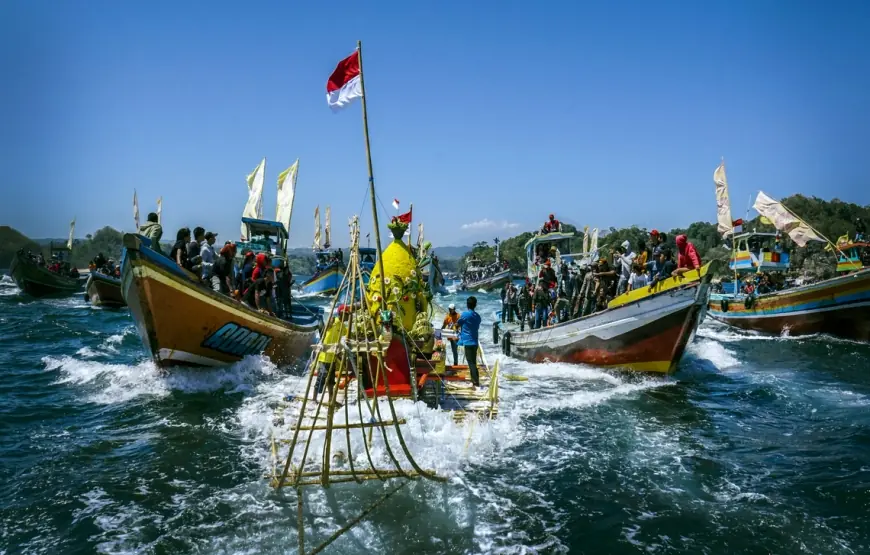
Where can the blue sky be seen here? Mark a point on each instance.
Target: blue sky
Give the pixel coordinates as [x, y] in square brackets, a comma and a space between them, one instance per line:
[485, 115]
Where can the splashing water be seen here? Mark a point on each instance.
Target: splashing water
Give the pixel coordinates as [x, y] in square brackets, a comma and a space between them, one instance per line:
[757, 444]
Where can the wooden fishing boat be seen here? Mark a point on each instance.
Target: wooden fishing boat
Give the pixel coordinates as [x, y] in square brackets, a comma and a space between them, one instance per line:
[839, 306]
[183, 322]
[327, 276]
[640, 330]
[33, 277]
[103, 290]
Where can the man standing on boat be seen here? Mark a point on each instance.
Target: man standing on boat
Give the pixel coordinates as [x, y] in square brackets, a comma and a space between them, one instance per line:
[541, 301]
[623, 260]
[259, 294]
[525, 304]
[153, 231]
[206, 252]
[449, 323]
[469, 325]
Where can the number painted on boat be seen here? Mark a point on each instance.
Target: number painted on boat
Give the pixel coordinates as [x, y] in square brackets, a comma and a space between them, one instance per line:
[234, 339]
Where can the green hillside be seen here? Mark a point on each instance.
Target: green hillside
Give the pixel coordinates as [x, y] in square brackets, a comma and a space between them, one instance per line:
[10, 241]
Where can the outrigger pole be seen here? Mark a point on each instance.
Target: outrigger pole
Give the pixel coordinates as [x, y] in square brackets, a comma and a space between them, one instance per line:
[362, 86]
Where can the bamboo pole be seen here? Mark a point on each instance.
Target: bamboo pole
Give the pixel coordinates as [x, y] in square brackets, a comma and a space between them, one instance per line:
[362, 86]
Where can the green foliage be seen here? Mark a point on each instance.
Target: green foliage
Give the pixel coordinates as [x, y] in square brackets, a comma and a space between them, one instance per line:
[107, 240]
[10, 242]
[301, 264]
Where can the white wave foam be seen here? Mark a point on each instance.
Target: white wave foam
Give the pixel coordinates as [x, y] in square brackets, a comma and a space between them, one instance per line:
[119, 383]
[713, 351]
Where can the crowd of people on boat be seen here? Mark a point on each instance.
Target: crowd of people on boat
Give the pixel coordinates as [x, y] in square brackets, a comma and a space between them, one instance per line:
[105, 266]
[256, 281]
[578, 290]
[479, 273]
[56, 264]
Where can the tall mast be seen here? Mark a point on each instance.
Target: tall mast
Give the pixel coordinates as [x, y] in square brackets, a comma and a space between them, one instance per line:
[362, 85]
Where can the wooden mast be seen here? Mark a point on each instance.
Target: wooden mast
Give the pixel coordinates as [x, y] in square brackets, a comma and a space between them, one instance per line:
[362, 86]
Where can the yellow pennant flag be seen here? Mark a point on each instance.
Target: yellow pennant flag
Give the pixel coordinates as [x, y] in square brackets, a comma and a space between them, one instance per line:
[766, 221]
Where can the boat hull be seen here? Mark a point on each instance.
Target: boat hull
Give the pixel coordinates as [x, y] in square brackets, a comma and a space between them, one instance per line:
[103, 290]
[38, 281]
[838, 306]
[182, 322]
[492, 282]
[325, 283]
[648, 335]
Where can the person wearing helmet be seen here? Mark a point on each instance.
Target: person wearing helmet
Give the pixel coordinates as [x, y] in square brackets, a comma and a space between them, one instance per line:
[450, 322]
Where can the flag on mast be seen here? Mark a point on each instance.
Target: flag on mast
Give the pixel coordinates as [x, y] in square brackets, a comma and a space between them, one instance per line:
[344, 85]
[317, 228]
[725, 225]
[72, 228]
[396, 203]
[135, 210]
[286, 194]
[586, 239]
[327, 231]
[159, 209]
[783, 220]
[254, 206]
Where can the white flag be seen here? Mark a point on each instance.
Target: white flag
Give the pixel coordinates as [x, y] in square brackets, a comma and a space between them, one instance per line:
[286, 194]
[586, 239]
[72, 228]
[593, 246]
[254, 206]
[135, 210]
[783, 220]
[159, 209]
[327, 231]
[317, 228]
[723, 202]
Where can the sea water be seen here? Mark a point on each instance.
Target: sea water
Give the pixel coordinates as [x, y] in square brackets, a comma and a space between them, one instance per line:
[756, 445]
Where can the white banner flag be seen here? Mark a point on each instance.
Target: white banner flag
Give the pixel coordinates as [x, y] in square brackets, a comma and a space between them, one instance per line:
[783, 220]
[254, 206]
[286, 195]
[723, 202]
[135, 210]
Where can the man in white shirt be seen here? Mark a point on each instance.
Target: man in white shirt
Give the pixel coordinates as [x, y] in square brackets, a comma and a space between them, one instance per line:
[638, 278]
[208, 256]
[623, 260]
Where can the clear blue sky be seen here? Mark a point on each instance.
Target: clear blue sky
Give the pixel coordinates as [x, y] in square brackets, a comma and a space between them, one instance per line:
[479, 111]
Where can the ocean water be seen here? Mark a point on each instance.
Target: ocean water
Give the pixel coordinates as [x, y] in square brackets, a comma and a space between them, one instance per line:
[756, 445]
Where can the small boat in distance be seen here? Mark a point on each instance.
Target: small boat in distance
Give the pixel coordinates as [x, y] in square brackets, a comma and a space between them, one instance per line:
[329, 263]
[40, 278]
[104, 290]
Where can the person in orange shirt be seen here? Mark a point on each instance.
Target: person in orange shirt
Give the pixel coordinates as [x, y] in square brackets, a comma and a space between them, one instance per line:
[450, 322]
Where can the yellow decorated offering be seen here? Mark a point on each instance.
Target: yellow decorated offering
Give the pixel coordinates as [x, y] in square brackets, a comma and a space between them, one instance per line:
[404, 290]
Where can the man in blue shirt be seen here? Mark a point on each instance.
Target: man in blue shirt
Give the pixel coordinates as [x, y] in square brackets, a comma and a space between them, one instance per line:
[469, 325]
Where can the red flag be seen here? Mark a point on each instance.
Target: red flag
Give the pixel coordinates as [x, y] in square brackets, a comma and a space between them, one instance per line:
[405, 218]
[344, 83]
[737, 223]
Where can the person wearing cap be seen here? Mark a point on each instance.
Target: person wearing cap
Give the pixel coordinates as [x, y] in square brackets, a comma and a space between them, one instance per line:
[657, 243]
[261, 267]
[206, 252]
[327, 358]
[450, 322]
[547, 275]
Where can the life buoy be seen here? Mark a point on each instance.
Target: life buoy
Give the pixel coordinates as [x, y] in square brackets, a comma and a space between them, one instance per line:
[506, 344]
[724, 305]
[749, 303]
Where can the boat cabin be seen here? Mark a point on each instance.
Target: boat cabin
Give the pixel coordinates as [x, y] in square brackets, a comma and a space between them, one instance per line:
[539, 249]
[265, 236]
[853, 256]
[367, 258]
[759, 252]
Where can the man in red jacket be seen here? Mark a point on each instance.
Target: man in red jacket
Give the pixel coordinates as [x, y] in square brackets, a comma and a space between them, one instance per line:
[688, 258]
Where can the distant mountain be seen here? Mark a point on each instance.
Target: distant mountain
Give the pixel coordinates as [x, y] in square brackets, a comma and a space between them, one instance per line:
[451, 253]
[10, 241]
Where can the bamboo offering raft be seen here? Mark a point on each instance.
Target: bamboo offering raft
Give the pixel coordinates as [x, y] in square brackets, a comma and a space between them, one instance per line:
[376, 351]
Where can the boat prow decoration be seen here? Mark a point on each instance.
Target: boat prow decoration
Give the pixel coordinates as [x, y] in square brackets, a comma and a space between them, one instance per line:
[184, 322]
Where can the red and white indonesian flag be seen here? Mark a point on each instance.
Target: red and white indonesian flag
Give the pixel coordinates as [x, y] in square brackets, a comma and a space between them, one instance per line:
[396, 203]
[344, 84]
